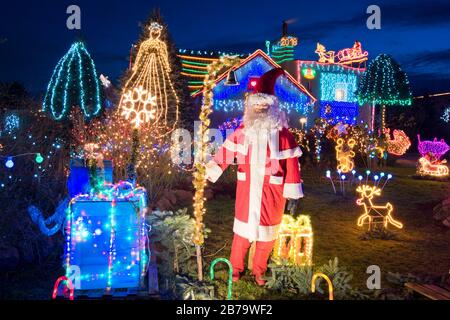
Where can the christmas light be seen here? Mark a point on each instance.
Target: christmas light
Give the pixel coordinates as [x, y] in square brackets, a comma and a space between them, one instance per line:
[149, 95]
[9, 163]
[399, 144]
[327, 279]
[446, 115]
[138, 106]
[435, 147]
[345, 154]
[384, 83]
[352, 55]
[11, 123]
[308, 73]
[109, 226]
[295, 241]
[436, 169]
[67, 283]
[345, 83]
[39, 158]
[324, 55]
[202, 148]
[74, 83]
[374, 213]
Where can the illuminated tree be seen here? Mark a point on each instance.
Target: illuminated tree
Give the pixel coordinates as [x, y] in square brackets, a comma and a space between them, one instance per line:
[384, 83]
[74, 82]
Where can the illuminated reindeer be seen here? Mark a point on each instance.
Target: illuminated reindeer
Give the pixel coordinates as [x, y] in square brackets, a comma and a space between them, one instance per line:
[372, 211]
[324, 55]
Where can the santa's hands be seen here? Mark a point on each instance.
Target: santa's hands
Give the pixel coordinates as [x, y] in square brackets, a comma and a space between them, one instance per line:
[292, 206]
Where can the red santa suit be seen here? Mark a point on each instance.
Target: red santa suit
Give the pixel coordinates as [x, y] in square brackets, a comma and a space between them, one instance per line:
[268, 173]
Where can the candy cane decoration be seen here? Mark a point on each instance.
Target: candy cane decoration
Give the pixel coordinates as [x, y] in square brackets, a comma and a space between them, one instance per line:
[69, 285]
[230, 275]
[330, 284]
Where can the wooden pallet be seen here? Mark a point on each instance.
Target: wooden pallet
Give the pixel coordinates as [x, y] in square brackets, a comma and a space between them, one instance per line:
[430, 291]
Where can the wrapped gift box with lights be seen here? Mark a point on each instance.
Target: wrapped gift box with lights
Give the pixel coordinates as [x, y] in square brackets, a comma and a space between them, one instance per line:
[106, 239]
[295, 241]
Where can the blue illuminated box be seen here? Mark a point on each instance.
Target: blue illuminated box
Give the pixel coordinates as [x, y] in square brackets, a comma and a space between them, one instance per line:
[105, 243]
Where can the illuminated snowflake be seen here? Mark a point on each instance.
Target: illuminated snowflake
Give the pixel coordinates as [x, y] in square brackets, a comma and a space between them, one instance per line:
[446, 115]
[138, 106]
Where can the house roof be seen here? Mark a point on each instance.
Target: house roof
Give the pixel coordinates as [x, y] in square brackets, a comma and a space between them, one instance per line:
[260, 53]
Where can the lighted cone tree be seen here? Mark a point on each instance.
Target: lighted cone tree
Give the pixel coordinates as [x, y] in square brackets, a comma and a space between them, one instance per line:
[384, 83]
[74, 82]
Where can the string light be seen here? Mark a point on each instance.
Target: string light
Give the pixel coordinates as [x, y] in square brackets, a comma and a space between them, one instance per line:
[201, 147]
[446, 115]
[384, 83]
[149, 95]
[324, 55]
[9, 163]
[295, 241]
[39, 159]
[345, 154]
[436, 147]
[74, 83]
[436, 169]
[399, 144]
[373, 213]
[110, 237]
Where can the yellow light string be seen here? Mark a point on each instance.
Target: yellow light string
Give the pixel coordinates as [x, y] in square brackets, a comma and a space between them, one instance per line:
[327, 279]
[294, 241]
[372, 211]
[149, 95]
[201, 147]
[345, 154]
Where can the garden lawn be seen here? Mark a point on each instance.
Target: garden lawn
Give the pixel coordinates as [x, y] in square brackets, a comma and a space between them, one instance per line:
[421, 248]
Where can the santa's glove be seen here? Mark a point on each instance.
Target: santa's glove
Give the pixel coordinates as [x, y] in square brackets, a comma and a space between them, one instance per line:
[292, 206]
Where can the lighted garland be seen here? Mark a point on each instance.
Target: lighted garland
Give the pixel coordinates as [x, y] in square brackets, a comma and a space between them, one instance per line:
[384, 83]
[201, 147]
[74, 82]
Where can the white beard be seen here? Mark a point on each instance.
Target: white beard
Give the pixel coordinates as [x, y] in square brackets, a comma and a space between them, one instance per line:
[274, 118]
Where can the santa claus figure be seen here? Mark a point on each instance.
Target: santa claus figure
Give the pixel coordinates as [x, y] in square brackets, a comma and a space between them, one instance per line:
[268, 174]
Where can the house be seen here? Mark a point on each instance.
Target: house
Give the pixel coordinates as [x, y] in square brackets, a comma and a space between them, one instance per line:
[294, 98]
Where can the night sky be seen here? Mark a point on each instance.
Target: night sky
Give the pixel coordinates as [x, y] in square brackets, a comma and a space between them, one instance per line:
[33, 34]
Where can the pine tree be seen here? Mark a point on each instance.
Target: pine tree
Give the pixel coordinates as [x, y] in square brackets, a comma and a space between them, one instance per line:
[384, 83]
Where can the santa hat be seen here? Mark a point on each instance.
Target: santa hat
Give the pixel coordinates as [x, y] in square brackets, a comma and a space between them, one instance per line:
[264, 90]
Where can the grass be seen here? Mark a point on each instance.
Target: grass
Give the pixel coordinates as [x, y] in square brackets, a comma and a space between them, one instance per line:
[421, 248]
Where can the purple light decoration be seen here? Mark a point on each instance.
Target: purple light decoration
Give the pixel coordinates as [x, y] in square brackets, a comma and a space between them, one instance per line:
[435, 147]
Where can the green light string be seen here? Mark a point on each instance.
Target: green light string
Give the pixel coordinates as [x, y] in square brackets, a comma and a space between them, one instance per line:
[63, 76]
[195, 63]
[195, 71]
[230, 275]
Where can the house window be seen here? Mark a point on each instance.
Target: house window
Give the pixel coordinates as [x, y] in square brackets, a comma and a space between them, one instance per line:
[341, 92]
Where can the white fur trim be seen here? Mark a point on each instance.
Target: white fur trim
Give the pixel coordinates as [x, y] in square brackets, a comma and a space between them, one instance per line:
[276, 180]
[256, 179]
[233, 147]
[292, 191]
[263, 233]
[241, 176]
[213, 171]
[274, 147]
